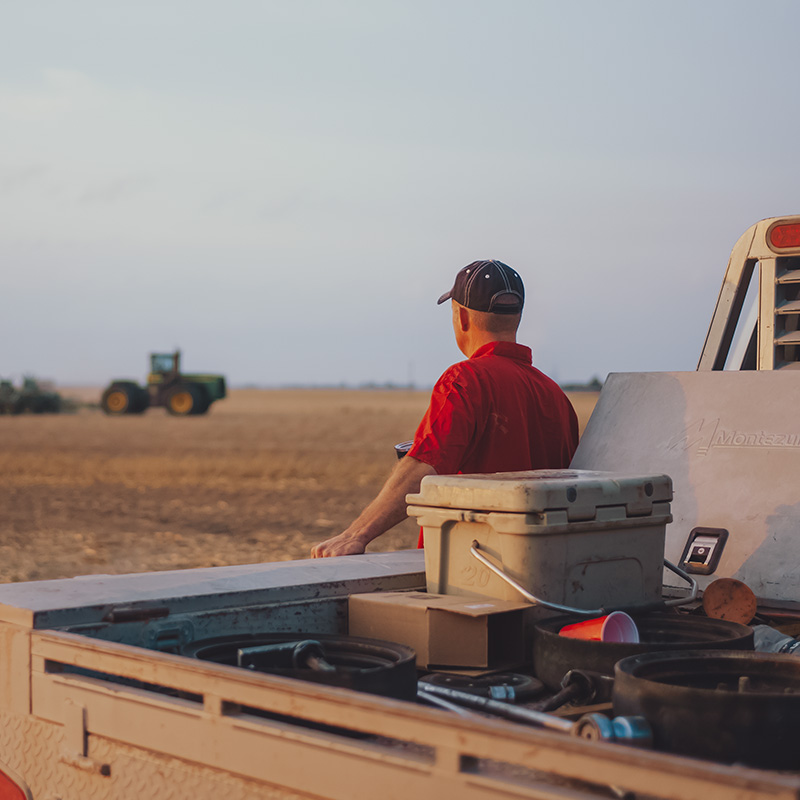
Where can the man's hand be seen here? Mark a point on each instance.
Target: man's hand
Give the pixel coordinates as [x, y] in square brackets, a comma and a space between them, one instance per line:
[384, 512]
[342, 545]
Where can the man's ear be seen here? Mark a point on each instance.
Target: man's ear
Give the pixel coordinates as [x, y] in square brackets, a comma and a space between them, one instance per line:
[463, 318]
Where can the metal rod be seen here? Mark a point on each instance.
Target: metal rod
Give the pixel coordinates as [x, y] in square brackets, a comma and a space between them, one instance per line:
[497, 708]
[561, 698]
[524, 592]
[587, 612]
[681, 574]
[427, 697]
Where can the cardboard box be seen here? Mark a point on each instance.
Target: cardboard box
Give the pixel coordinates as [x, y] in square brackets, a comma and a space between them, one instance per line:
[445, 631]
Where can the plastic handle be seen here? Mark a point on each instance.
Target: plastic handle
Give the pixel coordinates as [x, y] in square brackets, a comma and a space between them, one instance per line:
[640, 607]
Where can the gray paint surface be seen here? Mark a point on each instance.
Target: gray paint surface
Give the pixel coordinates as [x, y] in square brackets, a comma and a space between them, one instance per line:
[731, 443]
[88, 598]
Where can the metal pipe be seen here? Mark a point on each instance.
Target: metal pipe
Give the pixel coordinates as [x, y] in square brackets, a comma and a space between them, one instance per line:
[596, 727]
[497, 708]
[681, 574]
[475, 550]
[427, 697]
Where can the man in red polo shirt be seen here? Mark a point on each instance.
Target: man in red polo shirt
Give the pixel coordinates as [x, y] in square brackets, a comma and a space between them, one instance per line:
[494, 412]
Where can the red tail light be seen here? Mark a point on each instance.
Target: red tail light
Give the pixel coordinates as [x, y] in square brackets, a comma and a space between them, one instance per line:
[11, 790]
[782, 237]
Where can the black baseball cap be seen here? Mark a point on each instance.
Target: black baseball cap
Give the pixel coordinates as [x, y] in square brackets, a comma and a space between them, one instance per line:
[490, 286]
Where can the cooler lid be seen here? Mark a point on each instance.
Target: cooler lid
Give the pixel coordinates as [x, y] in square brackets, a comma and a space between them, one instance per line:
[579, 492]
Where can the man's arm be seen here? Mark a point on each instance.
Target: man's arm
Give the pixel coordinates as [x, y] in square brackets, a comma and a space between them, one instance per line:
[384, 512]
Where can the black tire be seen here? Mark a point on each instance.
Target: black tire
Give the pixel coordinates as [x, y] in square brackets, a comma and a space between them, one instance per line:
[366, 665]
[203, 399]
[555, 655]
[693, 701]
[142, 401]
[183, 400]
[120, 398]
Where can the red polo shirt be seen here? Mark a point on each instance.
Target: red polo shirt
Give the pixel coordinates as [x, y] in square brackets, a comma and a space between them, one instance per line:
[496, 413]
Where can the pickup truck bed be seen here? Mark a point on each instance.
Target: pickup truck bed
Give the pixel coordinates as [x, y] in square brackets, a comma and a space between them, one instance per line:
[91, 705]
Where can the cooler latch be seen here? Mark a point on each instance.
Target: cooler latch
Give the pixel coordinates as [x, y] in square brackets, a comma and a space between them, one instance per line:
[703, 550]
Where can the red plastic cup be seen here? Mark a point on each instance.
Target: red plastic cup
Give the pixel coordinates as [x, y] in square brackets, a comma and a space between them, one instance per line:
[614, 627]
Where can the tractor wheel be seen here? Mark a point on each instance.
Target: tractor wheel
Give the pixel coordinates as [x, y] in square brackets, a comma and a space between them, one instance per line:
[141, 401]
[183, 400]
[203, 400]
[119, 399]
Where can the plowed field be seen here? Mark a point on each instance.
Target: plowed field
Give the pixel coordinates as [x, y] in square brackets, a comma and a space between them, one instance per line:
[262, 477]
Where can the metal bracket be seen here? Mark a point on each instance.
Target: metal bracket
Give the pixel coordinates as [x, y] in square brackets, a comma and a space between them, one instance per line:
[169, 636]
[74, 746]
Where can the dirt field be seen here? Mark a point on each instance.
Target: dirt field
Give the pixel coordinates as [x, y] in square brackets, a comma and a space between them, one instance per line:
[262, 477]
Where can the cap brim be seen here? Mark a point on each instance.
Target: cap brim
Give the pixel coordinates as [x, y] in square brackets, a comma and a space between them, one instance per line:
[445, 296]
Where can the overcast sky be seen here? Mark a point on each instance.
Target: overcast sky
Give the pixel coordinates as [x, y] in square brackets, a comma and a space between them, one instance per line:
[283, 189]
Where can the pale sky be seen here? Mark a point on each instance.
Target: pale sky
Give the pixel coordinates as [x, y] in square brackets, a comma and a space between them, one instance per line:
[283, 189]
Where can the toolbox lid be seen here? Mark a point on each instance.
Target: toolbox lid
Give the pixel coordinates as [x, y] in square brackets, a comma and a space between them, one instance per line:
[580, 492]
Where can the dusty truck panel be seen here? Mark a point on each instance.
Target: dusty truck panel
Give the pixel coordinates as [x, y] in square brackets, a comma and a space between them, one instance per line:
[731, 444]
[90, 598]
[93, 718]
[727, 434]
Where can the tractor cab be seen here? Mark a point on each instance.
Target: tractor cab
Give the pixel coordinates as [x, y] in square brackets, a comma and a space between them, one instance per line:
[162, 364]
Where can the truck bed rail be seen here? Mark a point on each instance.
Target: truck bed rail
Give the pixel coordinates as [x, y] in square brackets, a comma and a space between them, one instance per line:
[255, 726]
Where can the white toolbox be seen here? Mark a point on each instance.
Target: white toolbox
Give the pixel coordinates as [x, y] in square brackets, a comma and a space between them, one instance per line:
[576, 538]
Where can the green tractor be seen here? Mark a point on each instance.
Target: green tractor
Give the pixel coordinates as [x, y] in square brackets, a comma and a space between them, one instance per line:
[181, 394]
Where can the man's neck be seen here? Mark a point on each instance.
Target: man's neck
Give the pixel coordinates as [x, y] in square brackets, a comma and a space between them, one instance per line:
[478, 339]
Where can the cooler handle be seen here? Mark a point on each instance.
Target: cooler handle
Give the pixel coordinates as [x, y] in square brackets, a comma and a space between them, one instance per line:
[642, 607]
[680, 601]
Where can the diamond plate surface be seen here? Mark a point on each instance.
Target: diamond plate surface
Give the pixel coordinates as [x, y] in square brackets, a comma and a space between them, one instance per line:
[33, 748]
[138, 774]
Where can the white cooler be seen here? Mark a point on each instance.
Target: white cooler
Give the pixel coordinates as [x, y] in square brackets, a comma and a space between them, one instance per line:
[570, 537]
